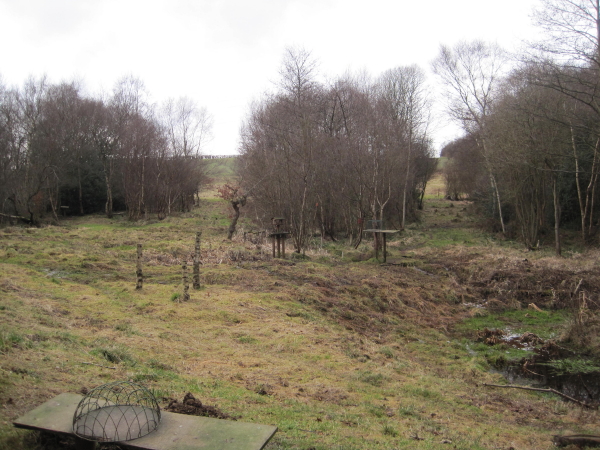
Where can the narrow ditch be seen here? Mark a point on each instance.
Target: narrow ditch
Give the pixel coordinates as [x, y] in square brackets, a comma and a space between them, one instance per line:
[549, 366]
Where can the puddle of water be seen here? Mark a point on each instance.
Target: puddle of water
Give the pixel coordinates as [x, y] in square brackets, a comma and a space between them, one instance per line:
[584, 387]
[538, 369]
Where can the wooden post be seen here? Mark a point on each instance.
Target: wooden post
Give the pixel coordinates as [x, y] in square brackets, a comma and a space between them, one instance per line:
[197, 261]
[140, 275]
[274, 238]
[186, 284]
[283, 246]
[384, 247]
[376, 244]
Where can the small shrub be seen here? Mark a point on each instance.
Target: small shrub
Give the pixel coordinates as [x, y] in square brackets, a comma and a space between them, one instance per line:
[374, 379]
[572, 365]
[387, 352]
[125, 327]
[262, 389]
[388, 430]
[143, 377]
[377, 411]
[10, 340]
[422, 392]
[299, 257]
[115, 355]
[409, 411]
[155, 364]
[247, 340]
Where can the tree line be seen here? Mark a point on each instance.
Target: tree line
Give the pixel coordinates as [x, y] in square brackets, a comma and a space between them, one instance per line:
[530, 153]
[327, 157]
[63, 152]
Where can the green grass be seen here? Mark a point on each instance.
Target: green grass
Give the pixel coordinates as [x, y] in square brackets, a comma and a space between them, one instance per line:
[547, 324]
[220, 170]
[337, 354]
[442, 161]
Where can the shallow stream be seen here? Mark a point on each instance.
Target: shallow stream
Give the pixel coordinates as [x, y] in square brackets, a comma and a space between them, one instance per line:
[549, 366]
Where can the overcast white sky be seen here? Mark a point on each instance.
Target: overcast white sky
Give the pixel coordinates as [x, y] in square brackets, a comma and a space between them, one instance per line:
[226, 53]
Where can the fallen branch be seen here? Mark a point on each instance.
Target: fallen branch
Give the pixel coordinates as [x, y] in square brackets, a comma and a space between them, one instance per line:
[15, 217]
[552, 391]
[577, 288]
[99, 365]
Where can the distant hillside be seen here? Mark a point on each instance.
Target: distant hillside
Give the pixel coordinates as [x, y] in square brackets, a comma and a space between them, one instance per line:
[442, 160]
[220, 170]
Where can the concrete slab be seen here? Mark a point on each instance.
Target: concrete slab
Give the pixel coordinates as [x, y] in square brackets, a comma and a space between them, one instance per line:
[175, 432]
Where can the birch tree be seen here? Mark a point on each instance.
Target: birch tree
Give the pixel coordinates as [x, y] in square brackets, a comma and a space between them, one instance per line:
[471, 73]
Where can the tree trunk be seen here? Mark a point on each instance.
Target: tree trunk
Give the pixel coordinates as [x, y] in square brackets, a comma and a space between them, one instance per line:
[497, 193]
[586, 200]
[557, 243]
[406, 181]
[236, 216]
[80, 189]
[109, 200]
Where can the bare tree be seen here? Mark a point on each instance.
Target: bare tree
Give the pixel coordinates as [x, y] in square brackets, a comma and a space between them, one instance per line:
[568, 61]
[404, 91]
[471, 73]
[188, 127]
[237, 198]
[329, 157]
[297, 137]
[104, 136]
[572, 31]
[137, 138]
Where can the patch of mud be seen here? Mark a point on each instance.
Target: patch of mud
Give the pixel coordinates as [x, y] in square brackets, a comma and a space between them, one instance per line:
[496, 336]
[194, 407]
[330, 395]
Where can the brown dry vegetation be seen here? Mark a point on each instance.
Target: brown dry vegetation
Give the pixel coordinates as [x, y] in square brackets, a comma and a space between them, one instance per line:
[337, 352]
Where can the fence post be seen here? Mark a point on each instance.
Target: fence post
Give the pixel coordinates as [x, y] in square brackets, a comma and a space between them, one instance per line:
[186, 284]
[138, 272]
[197, 261]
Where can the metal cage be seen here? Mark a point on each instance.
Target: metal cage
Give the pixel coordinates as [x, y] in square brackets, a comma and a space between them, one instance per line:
[114, 412]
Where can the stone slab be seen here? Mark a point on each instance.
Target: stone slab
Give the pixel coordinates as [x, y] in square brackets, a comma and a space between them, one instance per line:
[175, 432]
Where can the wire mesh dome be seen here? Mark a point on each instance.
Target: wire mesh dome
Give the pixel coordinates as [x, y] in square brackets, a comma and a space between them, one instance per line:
[114, 412]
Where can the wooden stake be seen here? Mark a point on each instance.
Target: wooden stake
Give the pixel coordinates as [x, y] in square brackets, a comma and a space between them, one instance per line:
[140, 275]
[197, 261]
[186, 284]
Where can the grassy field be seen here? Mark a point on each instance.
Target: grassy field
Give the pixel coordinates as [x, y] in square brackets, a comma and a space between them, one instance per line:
[336, 352]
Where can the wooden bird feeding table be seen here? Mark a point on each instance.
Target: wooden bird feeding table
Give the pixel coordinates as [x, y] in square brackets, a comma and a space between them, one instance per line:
[380, 240]
[176, 431]
[279, 236]
[279, 243]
